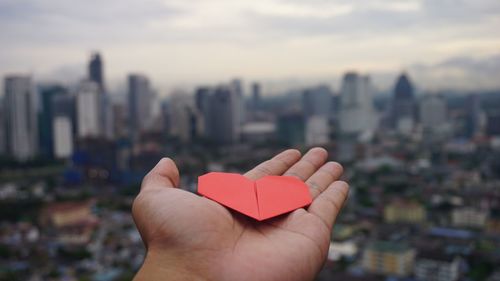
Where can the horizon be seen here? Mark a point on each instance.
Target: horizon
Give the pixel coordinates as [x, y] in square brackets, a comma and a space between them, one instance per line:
[443, 46]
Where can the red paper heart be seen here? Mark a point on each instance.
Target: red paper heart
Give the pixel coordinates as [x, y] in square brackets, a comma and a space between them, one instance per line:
[262, 199]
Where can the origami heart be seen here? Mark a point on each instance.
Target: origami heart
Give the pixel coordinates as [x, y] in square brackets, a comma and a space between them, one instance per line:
[262, 199]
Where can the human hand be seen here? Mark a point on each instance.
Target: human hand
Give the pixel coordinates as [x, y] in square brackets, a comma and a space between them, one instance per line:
[189, 237]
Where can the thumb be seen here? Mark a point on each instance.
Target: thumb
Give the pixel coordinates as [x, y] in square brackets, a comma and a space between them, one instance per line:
[164, 174]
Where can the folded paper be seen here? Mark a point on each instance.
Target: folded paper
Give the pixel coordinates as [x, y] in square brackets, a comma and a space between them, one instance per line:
[262, 199]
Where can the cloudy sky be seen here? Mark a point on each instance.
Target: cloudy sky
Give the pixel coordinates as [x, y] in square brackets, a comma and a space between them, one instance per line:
[441, 43]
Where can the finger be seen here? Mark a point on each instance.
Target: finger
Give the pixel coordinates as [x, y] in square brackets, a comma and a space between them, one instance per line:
[311, 162]
[323, 177]
[275, 166]
[164, 174]
[328, 204]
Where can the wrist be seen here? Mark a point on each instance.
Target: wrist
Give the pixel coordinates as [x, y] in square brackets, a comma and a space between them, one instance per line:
[159, 266]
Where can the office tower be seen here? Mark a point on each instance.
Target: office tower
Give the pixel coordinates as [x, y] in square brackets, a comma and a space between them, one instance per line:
[317, 108]
[472, 115]
[120, 125]
[202, 98]
[96, 74]
[256, 96]
[403, 105]
[63, 124]
[182, 112]
[433, 112]
[95, 71]
[291, 128]
[47, 95]
[87, 110]
[493, 124]
[237, 88]
[317, 130]
[21, 117]
[140, 99]
[202, 102]
[223, 124]
[317, 102]
[3, 148]
[356, 104]
[63, 137]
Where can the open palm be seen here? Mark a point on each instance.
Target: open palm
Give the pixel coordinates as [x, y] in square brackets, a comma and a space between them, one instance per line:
[191, 237]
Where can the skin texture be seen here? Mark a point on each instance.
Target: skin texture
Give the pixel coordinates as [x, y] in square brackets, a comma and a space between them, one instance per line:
[189, 237]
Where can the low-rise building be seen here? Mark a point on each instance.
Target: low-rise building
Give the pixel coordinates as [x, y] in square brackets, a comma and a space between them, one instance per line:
[69, 222]
[390, 258]
[404, 211]
[469, 217]
[437, 266]
[493, 222]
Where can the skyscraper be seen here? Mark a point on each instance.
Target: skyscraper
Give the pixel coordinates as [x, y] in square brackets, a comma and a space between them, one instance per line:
[433, 112]
[21, 117]
[87, 109]
[63, 125]
[47, 95]
[291, 128]
[317, 102]
[356, 104]
[237, 88]
[472, 115]
[181, 111]
[3, 148]
[403, 105]
[96, 74]
[222, 116]
[256, 96]
[95, 71]
[140, 101]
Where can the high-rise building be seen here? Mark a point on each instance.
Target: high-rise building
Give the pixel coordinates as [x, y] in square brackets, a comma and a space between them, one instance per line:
[202, 102]
[472, 116]
[356, 104]
[316, 130]
[140, 101]
[47, 95]
[256, 95]
[317, 102]
[317, 108]
[291, 128]
[3, 148]
[433, 112]
[96, 74]
[63, 137]
[493, 124]
[87, 110]
[237, 88]
[223, 123]
[403, 105]
[182, 111]
[63, 125]
[120, 126]
[21, 117]
[95, 71]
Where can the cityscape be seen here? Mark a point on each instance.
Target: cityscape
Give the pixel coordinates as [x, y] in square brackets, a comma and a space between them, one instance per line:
[424, 170]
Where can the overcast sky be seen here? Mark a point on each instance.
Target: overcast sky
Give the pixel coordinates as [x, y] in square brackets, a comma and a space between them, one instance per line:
[443, 43]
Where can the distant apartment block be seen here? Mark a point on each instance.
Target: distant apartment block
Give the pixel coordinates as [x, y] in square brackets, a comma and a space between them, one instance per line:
[469, 217]
[403, 211]
[437, 266]
[390, 258]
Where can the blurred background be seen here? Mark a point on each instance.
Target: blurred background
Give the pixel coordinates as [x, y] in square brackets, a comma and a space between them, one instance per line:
[405, 94]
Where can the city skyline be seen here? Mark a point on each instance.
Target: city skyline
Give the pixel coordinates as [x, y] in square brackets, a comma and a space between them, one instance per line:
[176, 43]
